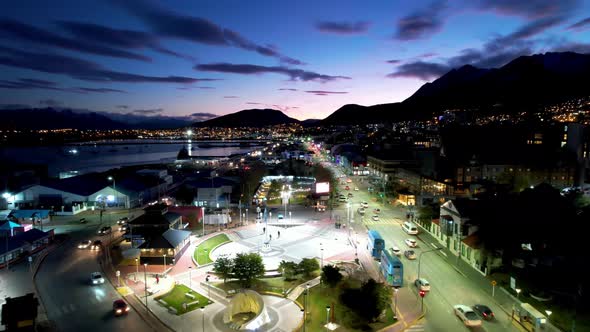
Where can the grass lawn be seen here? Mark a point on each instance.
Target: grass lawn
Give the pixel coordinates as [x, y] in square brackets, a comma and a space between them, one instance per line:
[320, 297]
[275, 285]
[177, 297]
[202, 251]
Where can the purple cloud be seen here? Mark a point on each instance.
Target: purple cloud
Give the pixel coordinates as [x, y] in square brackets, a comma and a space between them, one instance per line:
[123, 107]
[288, 89]
[422, 23]
[532, 9]
[206, 87]
[246, 69]
[230, 97]
[253, 103]
[202, 116]
[580, 25]
[325, 93]
[26, 32]
[153, 111]
[81, 69]
[50, 102]
[196, 29]
[118, 37]
[13, 106]
[100, 90]
[419, 69]
[343, 28]
[427, 55]
[28, 83]
[395, 61]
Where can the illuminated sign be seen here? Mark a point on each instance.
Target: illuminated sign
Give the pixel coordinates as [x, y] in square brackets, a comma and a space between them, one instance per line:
[322, 187]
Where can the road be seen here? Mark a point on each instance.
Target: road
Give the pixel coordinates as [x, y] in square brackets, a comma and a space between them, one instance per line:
[448, 286]
[71, 302]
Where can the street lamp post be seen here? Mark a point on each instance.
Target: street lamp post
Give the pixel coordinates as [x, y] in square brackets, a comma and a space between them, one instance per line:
[420, 258]
[136, 268]
[203, 317]
[327, 314]
[190, 277]
[518, 290]
[290, 219]
[395, 289]
[111, 178]
[321, 256]
[164, 264]
[247, 215]
[145, 284]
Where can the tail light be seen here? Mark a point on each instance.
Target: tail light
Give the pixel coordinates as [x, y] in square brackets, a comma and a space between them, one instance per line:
[485, 315]
[127, 309]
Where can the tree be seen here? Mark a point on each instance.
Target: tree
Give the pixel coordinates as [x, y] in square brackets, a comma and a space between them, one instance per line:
[288, 269]
[224, 267]
[183, 154]
[248, 267]
[331, 275]
[425, 215]
[369, 301]
[185, 195]
[307, 266]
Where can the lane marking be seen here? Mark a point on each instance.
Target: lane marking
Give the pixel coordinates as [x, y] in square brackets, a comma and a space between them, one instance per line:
[433, 245]
[442, 252]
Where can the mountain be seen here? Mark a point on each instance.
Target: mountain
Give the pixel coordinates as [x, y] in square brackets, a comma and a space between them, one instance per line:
[49, 118]
[310, 122]
[249, 118]
[524, 83]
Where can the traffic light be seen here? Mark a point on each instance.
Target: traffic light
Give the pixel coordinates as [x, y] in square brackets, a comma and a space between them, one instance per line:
[422, 293]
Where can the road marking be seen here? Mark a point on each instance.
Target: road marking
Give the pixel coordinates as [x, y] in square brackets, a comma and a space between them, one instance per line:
[433, 245]
[415, 328]
[442, 252]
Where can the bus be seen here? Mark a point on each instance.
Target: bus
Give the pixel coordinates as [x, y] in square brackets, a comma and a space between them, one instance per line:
[392, 269]
[375, 244]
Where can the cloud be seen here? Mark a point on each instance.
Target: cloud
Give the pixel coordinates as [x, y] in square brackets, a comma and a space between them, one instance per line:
[50, 102]
[246, 69]
[26, 32]
[583, 48]
[100, 90]
[532, 9]
[13, 106]
[206, 87]
[118, 37]
[146, 112]
[422, 23]
[29, 83]
[254, 103]
[230, 97]
[81, 69]
[202, 116]
[395, 61]
[122, 107]
[325, 93]
[427, 55]
[419, 69]
[288, 89]
[343, 28]
[580, 25]
[196, 29]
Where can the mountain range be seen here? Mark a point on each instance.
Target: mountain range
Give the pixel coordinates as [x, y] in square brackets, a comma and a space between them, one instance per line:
[526, 82]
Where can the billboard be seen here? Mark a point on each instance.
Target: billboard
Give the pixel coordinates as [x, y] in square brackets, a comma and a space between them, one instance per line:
[322, 187]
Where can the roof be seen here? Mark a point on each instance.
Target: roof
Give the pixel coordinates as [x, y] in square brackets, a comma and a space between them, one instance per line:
[21, 214]
[83, 185]
[156, 219]
[7, 225]
[170, 239]
[468, 208]
[436, 221]
[20, 239]
[472, 241]
[175, 236]
[172, 216]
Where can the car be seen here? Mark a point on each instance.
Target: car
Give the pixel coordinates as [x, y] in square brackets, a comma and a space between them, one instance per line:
[348, 181]
[356, 188]
[84, 244]
[365, 204]
[410, 254]
[361, 211]
[96, 245]
[411, 243]
[124, 228]
[347, 188]
[96, 278]
[396, 251]
[467, 315]
[375, 218]
[122, 221]
[377, 211]
[82, 220]
[120, 307]
[422, 284]
[484, 311]
[105, 230]
[349, 195]
[280, 216]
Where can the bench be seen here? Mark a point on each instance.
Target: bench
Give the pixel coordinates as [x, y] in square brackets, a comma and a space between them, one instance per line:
[173, 310]
[162, 302]
[189, 295]
[192, 303]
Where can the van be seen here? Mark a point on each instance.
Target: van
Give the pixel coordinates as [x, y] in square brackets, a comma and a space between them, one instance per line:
[410, 228]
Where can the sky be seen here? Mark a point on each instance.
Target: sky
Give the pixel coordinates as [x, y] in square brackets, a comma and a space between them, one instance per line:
[202, 59]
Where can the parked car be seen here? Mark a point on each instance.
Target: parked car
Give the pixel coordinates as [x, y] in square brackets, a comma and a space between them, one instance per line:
[280, 216]
[422, 284]
[84, 244]
[96, 278]
[411, 243]
[124, 228]
[365, 204]
[122, 221]
[484, 311]
[105, 230]
[376, 211]
[396, 251]
[96, 245]
[347, 188]
[361, 211]
[467, 315]
[356, 188]
[82, 220]
[120, 307]
[375, 218]
[410, 254]
[349, 195]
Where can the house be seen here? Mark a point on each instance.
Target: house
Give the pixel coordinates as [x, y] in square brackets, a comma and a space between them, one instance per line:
[19, 313]
[20, 245]
[170, 244]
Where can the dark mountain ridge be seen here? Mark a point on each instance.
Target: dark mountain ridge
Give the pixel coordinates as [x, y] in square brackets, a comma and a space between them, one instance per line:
[249, 118]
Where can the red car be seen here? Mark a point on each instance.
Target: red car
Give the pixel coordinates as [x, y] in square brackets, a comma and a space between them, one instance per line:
[347, 188]
[120, 307]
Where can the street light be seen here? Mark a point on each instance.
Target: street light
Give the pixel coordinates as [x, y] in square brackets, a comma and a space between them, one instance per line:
[518, 290]
[164, 264]
[420, 258]
[321, 256]
[290, 219]
[136, 269]
[190, 279]
[145, 284]
[548, 312]
[203, 315]
[327, 314]
[110, 178]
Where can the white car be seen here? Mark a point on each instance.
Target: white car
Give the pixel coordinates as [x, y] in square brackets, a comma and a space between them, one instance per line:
[361, 211]
[356, 188]
[422, 284]
[467, 315]
[96, 278]
[375, 218]
[396, 251]
[365, 204]
[84, 244]
[411, 243]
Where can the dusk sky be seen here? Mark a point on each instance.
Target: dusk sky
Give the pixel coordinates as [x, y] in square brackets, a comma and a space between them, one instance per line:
[306, 58]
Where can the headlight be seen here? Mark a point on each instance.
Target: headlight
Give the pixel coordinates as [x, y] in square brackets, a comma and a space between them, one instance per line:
[119, 311]
[127, 309]
[94, 281]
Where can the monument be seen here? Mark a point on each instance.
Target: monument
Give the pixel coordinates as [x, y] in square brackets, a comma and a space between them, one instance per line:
[246, 311]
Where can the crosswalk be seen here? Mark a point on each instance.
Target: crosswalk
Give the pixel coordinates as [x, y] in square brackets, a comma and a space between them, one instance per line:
[381, 221]
[415, 328]
[71, 308]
